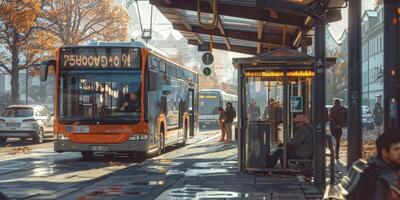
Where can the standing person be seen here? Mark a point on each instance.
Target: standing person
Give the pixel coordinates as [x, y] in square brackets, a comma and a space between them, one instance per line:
[379, 180]
[230, 114]
[378, 116]
[268, 108]
[338, 120]
[254, 110]
[221, 123]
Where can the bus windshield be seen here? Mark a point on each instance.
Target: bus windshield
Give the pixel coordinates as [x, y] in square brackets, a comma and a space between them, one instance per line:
[99, 96]
[209, 104]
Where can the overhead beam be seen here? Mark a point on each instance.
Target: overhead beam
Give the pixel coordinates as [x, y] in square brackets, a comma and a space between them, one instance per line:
[246, 12]
[284, 6]
[235, 48]
[187, 25]
[260, 30]
[273, 38]
[222, 31]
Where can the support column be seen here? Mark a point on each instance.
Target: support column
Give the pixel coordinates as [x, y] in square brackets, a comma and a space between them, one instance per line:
[242, 127]
[354, 132]
[304, 41]
[391, 66]
[319, 105]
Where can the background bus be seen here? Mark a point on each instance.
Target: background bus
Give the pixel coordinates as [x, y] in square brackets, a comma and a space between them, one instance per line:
[94, 82]
[210, 101]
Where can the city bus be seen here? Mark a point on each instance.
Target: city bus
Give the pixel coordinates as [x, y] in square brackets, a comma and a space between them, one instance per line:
[210, 101]
[122, 97]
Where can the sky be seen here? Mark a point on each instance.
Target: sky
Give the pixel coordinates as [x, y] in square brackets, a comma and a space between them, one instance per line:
[337, 28]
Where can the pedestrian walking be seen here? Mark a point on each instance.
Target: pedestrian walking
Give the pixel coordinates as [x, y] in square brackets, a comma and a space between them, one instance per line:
[221, 121]
[338, 120]
[380, 179]
[229, 115]
[378, 116]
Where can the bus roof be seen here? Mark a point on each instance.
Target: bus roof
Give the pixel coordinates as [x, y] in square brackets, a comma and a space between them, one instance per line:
[138, 44]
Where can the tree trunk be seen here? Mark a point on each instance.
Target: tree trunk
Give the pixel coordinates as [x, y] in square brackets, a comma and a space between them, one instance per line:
[15, 70]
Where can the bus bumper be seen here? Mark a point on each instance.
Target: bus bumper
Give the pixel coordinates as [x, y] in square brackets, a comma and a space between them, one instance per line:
[129, 146]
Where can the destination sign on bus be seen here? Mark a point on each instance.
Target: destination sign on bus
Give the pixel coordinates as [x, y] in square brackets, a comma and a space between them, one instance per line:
[207, 97]
[97, 58]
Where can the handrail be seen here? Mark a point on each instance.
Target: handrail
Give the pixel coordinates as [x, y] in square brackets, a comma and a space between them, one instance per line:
[214, 23]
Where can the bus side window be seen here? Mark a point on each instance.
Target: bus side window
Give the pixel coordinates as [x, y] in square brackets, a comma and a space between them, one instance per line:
[163, 106]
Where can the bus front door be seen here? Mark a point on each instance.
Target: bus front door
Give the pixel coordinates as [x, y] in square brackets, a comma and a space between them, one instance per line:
[191, 112]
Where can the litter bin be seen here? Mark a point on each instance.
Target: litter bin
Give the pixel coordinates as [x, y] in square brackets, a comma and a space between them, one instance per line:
[257, 144]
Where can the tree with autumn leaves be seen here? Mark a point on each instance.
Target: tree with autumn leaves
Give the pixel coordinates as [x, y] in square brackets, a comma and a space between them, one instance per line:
[336, 78]
[31, 29]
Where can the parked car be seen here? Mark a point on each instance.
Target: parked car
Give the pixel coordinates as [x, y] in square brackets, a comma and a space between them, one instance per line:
[26, 121]
[367, 118]
[5, 100]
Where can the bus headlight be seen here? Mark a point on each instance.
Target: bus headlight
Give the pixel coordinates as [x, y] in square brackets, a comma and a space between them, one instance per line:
[138, 137]
[62, 136]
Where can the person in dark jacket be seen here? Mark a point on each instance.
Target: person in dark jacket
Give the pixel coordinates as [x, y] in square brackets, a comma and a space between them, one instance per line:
[132, 104]
[337, 116]
[301, 146]
[380, 180]
[230, 114]
[378, 116]
[221, 123]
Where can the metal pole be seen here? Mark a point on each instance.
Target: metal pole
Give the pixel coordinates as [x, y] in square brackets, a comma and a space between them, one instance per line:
[319, 103]
[26, 87]
[391, 66]
[354, 132]
[241, 128]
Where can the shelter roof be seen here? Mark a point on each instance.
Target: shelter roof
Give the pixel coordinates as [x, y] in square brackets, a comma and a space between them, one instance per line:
[247, 26]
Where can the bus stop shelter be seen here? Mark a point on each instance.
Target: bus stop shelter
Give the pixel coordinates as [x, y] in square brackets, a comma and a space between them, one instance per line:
[259, 26]
[279, 84]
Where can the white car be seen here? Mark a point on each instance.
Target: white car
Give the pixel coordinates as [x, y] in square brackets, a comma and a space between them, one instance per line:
[26, 121]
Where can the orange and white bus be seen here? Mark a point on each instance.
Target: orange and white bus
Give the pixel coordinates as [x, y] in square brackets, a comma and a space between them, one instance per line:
[95, 110]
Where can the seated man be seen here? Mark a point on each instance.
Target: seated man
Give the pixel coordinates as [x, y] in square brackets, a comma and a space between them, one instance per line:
[301, 146]
[380, 180]
[132, 104]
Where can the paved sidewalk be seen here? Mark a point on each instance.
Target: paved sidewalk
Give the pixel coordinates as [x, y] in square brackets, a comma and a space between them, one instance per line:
[205, 170]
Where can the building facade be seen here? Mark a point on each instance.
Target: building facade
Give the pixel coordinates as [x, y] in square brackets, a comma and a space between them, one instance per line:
[372, 56]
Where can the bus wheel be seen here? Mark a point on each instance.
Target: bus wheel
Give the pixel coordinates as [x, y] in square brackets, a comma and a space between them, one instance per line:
[87, 155]
[161, 144]
[138, 156]
[3, 140]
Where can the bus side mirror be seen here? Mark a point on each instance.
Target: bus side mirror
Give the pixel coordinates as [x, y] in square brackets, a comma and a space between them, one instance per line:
[44, 69]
